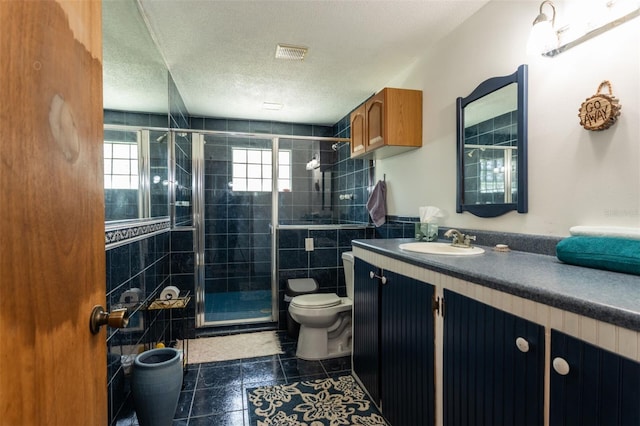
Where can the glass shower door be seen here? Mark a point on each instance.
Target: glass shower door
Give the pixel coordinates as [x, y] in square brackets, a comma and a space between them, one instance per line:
[234, 222]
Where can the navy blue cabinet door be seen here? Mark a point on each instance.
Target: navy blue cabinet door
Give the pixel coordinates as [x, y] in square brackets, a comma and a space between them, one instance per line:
[601, 388]
[366, 328]
[407, 351]
[487, 379]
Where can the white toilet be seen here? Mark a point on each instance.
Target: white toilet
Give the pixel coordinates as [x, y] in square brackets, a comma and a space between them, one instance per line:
[325, 320]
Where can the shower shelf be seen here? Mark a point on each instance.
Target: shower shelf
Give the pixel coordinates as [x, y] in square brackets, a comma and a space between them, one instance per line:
[180, 303]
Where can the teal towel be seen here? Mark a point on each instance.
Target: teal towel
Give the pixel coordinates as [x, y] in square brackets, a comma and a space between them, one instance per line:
[612, 254]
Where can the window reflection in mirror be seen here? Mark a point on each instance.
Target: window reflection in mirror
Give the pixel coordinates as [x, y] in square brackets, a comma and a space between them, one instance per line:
[135, 173]
[492, 142]
[121, 175]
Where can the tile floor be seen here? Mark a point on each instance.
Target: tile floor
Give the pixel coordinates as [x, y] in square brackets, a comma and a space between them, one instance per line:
[215, 393]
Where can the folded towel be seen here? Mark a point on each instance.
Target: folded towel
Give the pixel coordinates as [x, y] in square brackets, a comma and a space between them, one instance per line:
[606, 231]
[612, 254]
[376, 203]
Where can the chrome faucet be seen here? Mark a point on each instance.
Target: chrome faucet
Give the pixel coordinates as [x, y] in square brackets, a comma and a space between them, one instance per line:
[459, 239]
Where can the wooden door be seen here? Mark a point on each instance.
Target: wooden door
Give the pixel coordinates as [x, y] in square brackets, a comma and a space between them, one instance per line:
[52, 258]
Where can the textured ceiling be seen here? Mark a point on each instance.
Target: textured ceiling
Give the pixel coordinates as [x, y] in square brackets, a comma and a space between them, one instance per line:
[221, 53]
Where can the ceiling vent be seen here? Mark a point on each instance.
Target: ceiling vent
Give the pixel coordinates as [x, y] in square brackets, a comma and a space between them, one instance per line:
[294, 53]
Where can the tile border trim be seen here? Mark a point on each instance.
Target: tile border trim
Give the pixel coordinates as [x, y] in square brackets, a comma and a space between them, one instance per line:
[118, 234]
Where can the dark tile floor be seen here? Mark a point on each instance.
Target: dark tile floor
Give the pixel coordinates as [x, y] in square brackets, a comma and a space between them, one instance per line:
[215, 393]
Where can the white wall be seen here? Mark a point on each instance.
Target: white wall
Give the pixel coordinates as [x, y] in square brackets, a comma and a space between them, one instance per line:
[576, 177]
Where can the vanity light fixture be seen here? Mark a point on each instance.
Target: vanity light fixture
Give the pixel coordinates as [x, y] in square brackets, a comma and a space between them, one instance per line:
[548, 41]
[543, 37]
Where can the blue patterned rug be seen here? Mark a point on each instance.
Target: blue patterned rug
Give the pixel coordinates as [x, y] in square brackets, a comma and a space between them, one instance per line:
[322, 402]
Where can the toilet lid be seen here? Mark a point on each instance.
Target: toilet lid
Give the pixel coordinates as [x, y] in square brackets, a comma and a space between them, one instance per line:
[316, 300]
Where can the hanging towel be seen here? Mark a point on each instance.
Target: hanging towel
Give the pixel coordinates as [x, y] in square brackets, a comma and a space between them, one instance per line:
[376, 204]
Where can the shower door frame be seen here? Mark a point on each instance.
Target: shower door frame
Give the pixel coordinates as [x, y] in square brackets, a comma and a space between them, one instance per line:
[198, 165]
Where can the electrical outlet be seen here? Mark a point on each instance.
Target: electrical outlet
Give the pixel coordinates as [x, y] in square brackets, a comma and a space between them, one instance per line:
[308, 244]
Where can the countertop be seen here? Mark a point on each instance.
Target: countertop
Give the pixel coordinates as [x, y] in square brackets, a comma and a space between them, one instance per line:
[606, 296]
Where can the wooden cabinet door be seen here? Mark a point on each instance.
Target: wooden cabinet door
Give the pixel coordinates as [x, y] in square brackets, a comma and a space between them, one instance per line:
[375, 121]
[407, 351]
[52, 255]
[601, 388]
[366, 323]
[487, 380]
[358, 131]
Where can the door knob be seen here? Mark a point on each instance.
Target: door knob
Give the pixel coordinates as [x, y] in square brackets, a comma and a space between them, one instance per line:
[561, 366]
[118, 318]
[522, 344]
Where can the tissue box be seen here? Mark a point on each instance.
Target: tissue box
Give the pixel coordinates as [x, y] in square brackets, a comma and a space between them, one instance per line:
[426, 231]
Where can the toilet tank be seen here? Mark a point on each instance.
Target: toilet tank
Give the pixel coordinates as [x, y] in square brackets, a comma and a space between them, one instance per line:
[347, 262]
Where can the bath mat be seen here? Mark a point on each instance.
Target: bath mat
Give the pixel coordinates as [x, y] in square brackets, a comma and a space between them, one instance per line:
[237, 346]
[322, 402]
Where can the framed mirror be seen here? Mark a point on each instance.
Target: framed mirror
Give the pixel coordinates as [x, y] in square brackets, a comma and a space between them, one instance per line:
[492, 147]
[136, 103]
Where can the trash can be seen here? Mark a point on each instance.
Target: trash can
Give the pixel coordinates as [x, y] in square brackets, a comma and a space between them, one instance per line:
[297, 287]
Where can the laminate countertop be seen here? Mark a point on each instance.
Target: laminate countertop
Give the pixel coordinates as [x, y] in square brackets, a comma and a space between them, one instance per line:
[603, 295]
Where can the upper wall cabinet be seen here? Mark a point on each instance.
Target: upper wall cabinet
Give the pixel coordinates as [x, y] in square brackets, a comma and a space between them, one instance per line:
[387, 124]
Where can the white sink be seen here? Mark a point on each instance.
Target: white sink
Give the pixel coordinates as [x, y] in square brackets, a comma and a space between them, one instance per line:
[441, 248]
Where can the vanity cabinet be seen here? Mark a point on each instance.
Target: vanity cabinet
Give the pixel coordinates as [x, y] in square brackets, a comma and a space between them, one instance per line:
[366, 328]
[493, 368]
[591, 386]
[393, 344]
[387, 124]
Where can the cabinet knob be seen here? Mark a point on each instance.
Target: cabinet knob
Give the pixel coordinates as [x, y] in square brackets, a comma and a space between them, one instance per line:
[382, 278]
[561, 366]
[522, 344]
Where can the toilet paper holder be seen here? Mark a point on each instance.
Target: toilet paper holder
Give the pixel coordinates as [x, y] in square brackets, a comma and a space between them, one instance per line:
[118, 318]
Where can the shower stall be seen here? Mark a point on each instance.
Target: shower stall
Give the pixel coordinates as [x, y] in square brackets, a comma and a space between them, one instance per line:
[244, 187]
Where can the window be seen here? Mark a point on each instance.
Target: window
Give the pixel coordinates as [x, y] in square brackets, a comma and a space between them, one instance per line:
[252, 170]
[120, 165]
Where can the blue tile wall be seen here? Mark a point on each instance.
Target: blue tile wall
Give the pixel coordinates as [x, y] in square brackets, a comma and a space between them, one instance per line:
[143, 265]
[182, 276]
[351, 177]
[324, 263]
[141, 119]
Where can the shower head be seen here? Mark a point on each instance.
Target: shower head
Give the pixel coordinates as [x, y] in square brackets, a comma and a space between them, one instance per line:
[335, 146]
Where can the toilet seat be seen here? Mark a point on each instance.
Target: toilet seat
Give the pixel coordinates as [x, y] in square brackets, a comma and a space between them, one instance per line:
[316, 301]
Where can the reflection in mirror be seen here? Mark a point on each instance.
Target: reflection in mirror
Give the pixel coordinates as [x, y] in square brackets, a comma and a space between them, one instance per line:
[181, 189]
[135, 77]
[492, 143]
[307, 196]
[121, 175]
[135, 93]
[135, 173]
[158, 175]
